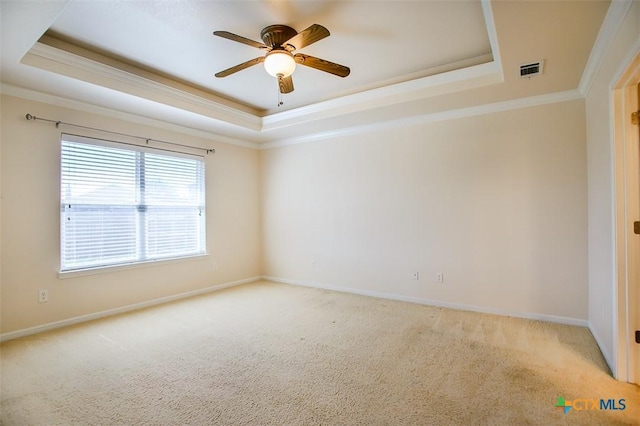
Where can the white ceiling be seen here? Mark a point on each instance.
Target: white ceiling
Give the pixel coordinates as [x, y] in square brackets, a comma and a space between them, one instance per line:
[157, 59]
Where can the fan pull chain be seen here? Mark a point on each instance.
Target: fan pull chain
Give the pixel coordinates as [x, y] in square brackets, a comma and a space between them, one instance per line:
[280, 102]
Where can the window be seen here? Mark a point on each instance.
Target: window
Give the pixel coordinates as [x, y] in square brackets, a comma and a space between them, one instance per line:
[124, 204]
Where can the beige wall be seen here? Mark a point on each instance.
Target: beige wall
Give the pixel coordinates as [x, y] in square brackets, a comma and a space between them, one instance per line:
[30, 223]
[496, 202]
[600, 185]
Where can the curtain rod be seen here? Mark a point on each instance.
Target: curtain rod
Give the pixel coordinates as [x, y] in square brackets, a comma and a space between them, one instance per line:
[147, 140]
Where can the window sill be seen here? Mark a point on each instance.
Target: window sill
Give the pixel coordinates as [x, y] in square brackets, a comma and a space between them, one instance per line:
[124, 267]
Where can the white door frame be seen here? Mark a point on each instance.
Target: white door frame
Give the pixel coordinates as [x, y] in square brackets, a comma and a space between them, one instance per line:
[626, 168]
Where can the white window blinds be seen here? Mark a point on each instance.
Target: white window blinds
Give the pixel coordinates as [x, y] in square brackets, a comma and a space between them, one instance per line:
[125, 204]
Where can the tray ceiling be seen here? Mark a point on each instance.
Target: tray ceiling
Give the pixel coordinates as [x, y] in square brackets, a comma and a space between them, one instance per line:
[157, 59]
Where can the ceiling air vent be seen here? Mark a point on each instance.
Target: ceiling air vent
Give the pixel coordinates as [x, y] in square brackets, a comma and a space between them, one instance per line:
[529, 70]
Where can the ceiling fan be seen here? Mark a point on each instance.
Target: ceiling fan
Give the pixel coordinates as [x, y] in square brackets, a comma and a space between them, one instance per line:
[280, 41]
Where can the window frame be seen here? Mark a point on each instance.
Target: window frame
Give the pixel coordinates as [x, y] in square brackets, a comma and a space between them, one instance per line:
[139, 208]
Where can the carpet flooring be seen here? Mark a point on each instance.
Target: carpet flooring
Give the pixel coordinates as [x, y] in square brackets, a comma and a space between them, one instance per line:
[274, 354]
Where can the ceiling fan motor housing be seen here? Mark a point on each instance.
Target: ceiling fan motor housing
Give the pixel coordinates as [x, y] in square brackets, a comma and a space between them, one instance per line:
[275, 36]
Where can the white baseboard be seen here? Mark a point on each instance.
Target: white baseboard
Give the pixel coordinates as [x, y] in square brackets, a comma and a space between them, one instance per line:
[391, 296]
[433, 302]
[604, 351]
[83, 318]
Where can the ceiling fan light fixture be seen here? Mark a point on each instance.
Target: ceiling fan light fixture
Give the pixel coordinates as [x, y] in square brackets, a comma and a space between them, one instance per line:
[279, 63]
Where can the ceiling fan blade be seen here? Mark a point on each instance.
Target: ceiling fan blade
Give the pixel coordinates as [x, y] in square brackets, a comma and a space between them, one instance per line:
[240, 39]
[306, 37]
[285, 84]
[240, 67]
[322, 65]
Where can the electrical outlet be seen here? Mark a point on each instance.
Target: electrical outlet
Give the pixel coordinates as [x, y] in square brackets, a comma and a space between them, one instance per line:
[43, 296]
[214, 266]
[439, 277]
[314, 264]
[416, 275]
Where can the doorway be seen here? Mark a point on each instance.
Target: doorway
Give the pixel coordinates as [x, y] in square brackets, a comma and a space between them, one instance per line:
[626, 97]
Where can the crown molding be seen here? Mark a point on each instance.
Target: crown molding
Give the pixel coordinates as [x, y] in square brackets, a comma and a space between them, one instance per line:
[420, 88]
[32, 95]
[453, 114]
[115, 75]
[55, 55]
[551, 98]
[492, 33]
[64, 58]
[610, 26]
[125, 78]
